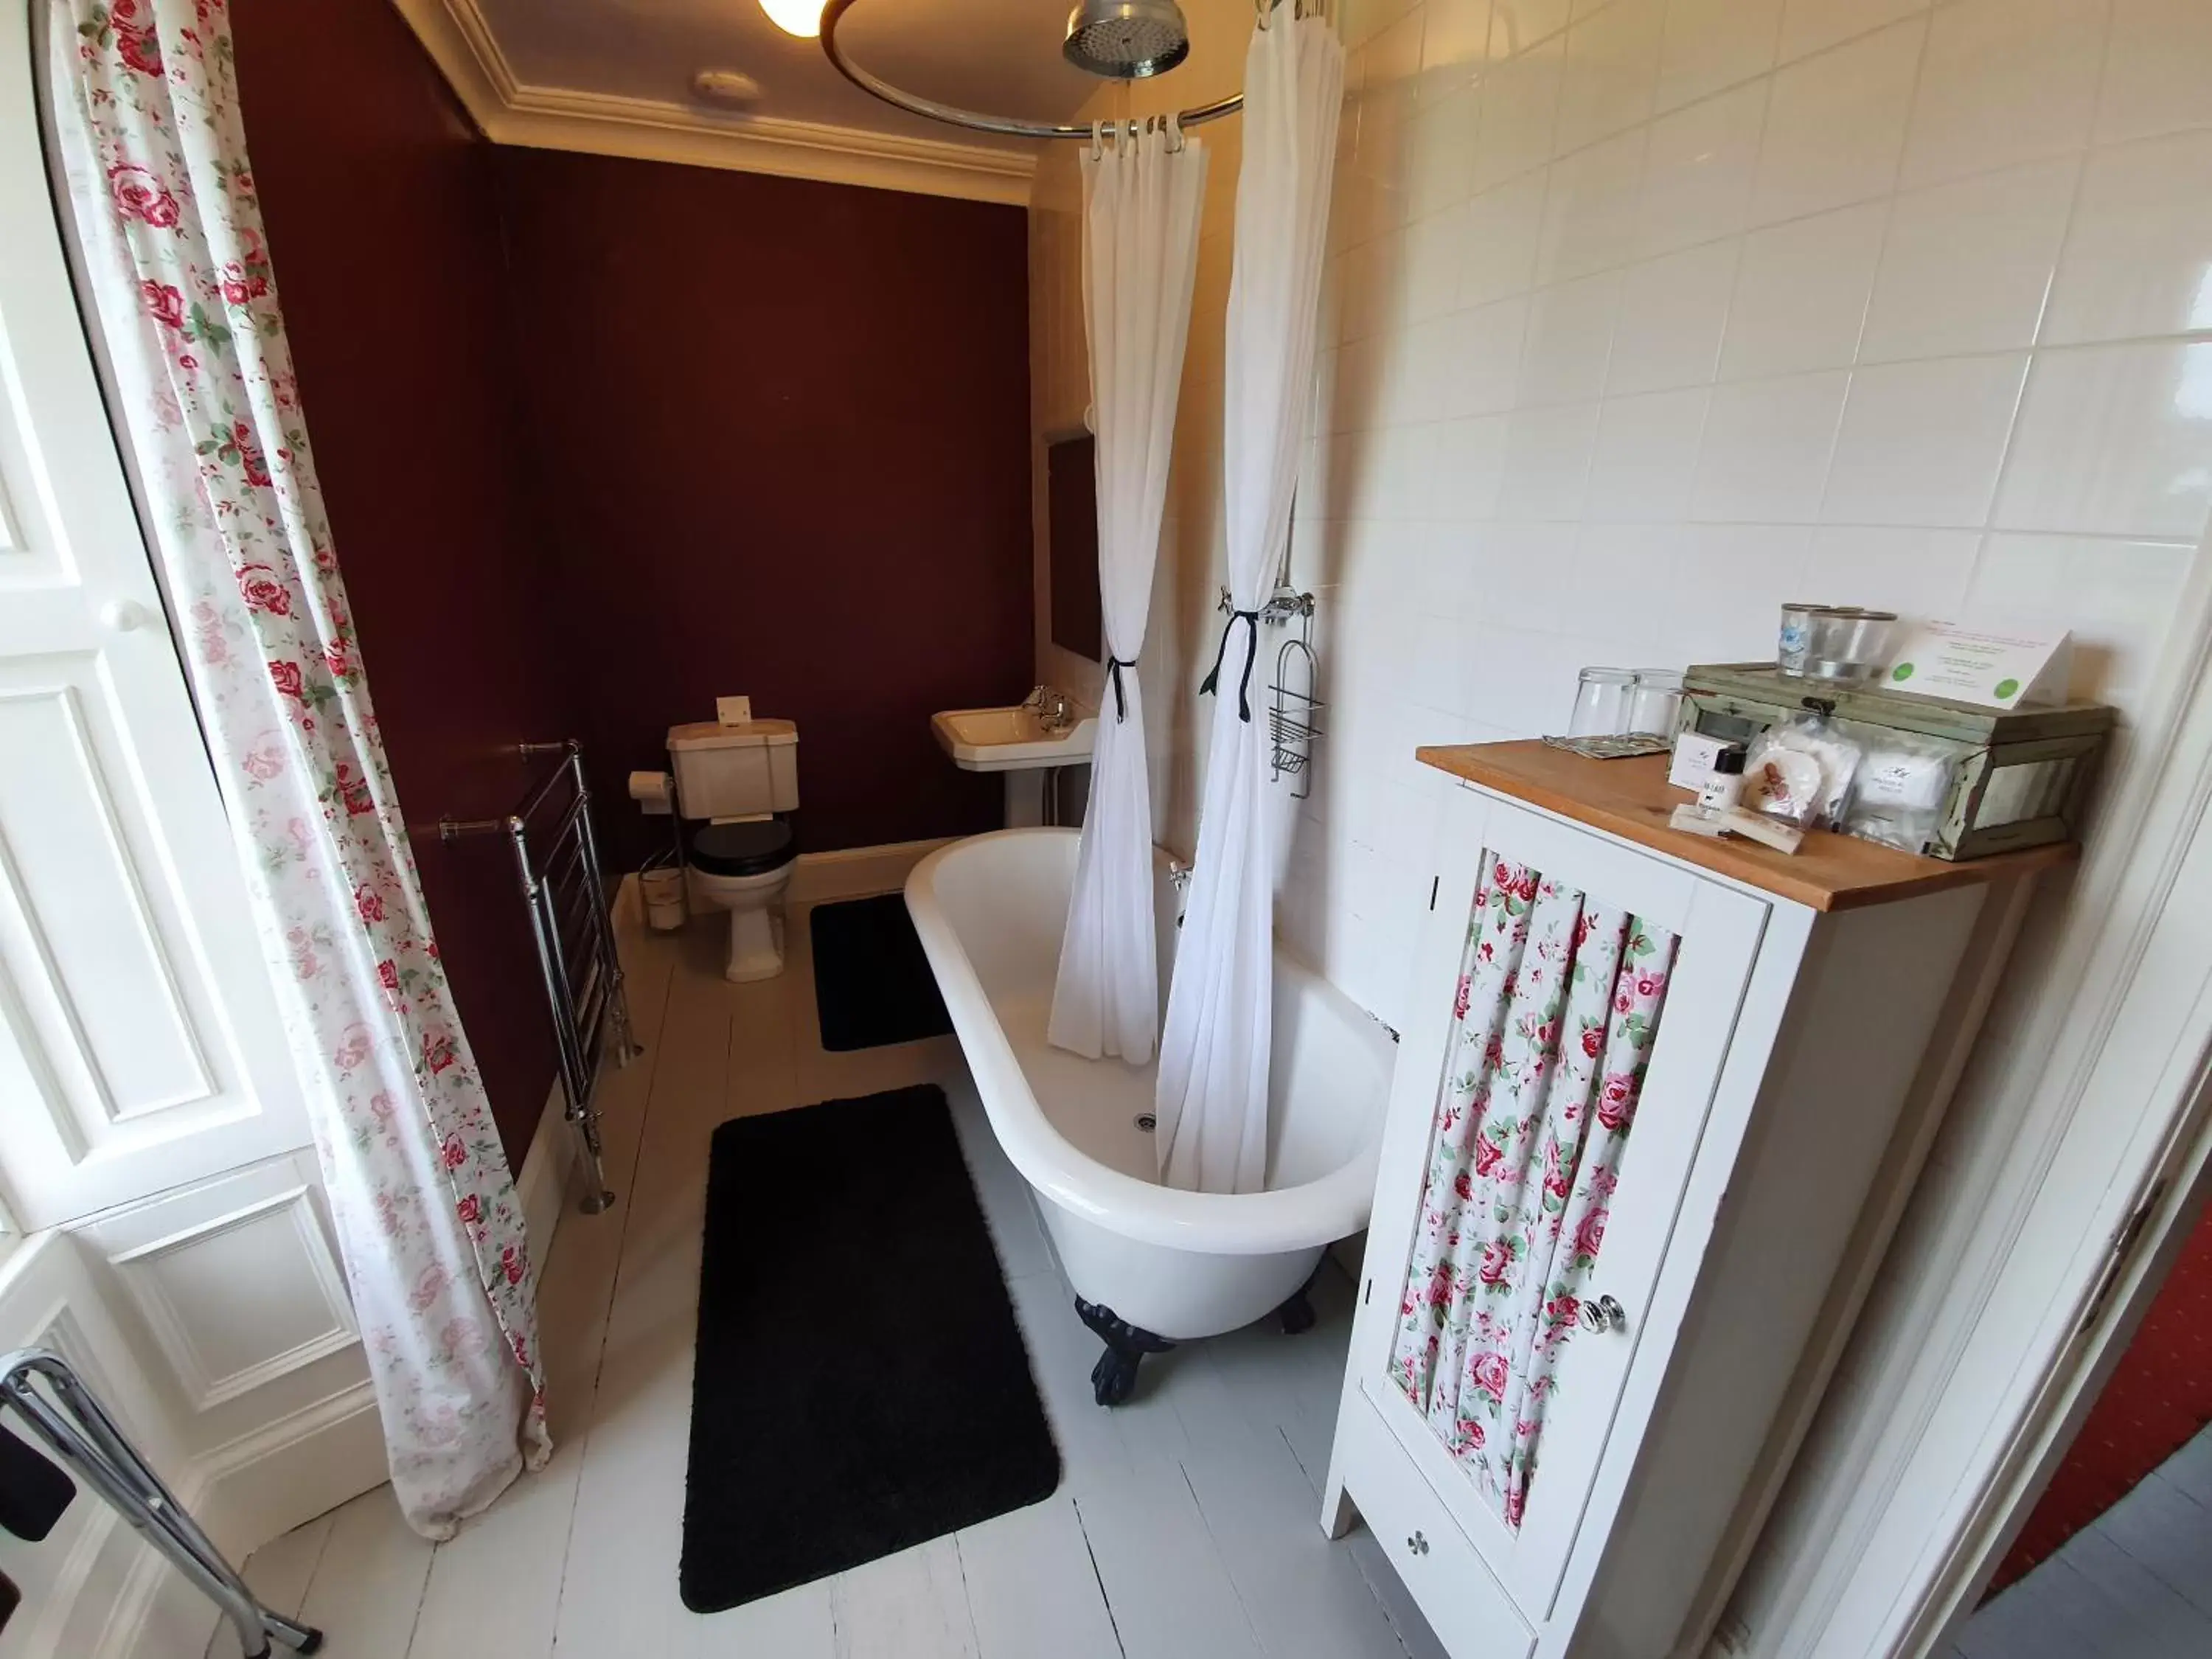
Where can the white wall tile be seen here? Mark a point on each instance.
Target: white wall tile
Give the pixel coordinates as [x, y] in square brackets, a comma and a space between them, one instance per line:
[1724, 602]
[1591, 209]
[1646, 457]
[1836, 125]
[1921, 442]
[1709, 45]
[1517, 25]
[1811, 25]
[1616, 584]
[1612, 70]
[1916, 572]
[1800, 293]
[1547, 456]
[2138, 258]
[1570, 333]
[1673, 310]
[1967, 266]
[1435, 255]
[2157, 69]
[1470, 464]
[1520, 100]
[2113, 440]
[1454, 46]
[1697, 176]
[1483, 357]
[1503, 225]
[1440, 171]
[1766, 449]
[2005, 81]
[2116, 597]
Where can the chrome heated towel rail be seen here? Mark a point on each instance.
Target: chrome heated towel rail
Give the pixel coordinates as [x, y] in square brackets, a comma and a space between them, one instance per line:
[556, 859]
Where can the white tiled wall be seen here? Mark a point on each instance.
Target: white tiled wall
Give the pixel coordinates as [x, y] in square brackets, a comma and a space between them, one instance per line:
[1644, 315]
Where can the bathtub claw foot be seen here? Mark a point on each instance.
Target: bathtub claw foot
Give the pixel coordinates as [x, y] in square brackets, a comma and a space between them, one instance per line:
[1297, 1314]
[1113, 1378]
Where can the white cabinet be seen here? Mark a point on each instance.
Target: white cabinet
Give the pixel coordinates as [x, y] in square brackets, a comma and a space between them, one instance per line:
[1786, 1073]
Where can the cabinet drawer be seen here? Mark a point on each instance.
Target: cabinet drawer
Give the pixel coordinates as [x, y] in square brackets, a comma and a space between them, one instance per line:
[1472, 1616]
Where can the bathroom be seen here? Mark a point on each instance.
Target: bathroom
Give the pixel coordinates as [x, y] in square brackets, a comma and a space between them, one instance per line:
[631, 392]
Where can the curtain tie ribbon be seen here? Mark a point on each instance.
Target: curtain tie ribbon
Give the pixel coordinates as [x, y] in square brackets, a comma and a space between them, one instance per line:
[1210, 683]
[1114, 667]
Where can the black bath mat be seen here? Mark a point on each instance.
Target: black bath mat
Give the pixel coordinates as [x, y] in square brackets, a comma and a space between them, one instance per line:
[871, 982]
[860, 1386]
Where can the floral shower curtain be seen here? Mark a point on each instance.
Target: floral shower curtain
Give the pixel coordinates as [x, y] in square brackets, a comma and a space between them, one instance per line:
[146, 100]
[1559, 1003]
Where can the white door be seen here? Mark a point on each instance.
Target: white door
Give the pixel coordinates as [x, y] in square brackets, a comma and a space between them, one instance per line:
[1719, 929]
[139, 1041]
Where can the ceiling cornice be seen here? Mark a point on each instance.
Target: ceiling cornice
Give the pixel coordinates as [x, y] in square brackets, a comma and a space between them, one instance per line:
[460, 42]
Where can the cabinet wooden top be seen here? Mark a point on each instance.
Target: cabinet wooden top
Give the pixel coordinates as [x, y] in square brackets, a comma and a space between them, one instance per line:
[1633, 799]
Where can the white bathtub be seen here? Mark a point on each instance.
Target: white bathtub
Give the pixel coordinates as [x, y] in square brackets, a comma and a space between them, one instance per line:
[1172, 1264]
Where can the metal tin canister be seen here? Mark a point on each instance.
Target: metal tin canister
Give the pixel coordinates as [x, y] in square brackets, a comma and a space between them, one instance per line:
[1793, 647]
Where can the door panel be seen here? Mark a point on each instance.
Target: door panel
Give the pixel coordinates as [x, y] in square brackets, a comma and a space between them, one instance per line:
[140, 1044]
[1719, 930]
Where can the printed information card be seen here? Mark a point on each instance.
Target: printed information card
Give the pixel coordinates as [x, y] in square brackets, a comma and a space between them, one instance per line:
[2000, 670]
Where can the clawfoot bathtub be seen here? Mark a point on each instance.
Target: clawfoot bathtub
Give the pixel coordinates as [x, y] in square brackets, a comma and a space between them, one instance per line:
[1151, 1265]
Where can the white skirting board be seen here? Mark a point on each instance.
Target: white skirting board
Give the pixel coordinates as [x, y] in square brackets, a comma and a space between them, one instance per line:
[857, 871]
[254, 1489]
[541, 1186]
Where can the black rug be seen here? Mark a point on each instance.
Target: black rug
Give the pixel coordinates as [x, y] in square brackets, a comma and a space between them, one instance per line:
[861, 1386]
[871, 982]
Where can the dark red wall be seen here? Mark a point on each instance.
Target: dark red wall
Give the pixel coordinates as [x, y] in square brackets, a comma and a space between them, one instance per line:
[603, 440]
[789, 424]
[383, 227]
[2154, 1405]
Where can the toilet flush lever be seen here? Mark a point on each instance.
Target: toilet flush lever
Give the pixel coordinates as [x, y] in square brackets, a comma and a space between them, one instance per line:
[123, 615]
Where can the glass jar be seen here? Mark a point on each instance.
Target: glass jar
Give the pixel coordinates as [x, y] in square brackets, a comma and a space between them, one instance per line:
[1601, 697]
[1849, 643]
[1793, 646]
[1655, 701]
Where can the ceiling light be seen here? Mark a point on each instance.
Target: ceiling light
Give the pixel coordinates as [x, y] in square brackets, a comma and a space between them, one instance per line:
[800, 17]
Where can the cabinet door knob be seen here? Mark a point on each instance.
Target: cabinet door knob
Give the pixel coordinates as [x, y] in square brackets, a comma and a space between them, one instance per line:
[1603, 1312]
[1419, 1544]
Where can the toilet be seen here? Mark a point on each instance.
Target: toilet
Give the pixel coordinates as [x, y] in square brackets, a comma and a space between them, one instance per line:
[739, 778]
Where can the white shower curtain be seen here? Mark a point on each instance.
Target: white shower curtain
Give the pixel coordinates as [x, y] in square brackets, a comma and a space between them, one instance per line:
[1141, 199]
[1213, 1090]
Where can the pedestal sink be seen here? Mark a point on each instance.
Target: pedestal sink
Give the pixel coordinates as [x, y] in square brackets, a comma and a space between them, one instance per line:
[1016, 742]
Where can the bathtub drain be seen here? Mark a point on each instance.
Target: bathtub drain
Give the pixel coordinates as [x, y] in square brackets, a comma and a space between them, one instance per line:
[1147, 1122]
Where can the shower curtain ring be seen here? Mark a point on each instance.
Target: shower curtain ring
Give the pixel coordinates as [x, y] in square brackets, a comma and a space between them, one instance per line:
[1098, 139]
[1174, 133]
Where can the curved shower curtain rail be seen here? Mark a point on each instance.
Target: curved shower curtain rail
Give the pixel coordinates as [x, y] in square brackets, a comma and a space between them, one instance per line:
[1005, 125]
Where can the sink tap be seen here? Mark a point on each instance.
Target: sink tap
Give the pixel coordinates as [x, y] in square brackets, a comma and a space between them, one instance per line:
[1052, 706]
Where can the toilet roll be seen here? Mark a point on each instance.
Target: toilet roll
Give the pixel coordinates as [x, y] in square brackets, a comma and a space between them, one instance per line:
[654, 791]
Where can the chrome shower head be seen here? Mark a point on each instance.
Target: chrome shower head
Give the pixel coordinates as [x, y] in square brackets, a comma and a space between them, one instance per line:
[1126, 39]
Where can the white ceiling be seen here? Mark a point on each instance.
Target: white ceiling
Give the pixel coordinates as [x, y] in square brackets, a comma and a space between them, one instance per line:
[614, 77]
[998, 55]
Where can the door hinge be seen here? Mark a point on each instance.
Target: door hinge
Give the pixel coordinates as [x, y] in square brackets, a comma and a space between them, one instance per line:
[2123, 1251]
[1435, 882]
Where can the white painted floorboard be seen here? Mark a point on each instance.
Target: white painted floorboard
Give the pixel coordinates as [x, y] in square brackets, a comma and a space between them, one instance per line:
[1186, 1525]
[2136, 1584]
